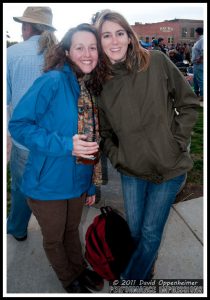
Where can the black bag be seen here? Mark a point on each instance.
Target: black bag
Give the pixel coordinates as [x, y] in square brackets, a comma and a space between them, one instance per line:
[108, 244]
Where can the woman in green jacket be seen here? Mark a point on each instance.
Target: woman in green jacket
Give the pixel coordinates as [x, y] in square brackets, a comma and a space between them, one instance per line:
[147, 111]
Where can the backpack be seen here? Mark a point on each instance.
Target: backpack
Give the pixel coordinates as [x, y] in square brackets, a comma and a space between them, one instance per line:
[109, 244]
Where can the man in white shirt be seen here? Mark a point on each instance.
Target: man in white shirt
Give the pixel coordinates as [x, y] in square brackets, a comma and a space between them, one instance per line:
[197, 60]
[24, 64]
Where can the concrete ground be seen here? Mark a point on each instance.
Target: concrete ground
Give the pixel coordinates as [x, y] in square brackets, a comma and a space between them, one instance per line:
[180, 254]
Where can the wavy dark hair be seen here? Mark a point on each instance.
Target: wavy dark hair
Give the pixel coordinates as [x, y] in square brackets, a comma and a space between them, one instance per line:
[57, 57]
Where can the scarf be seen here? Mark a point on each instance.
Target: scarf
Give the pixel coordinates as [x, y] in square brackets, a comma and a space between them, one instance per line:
[88, 124]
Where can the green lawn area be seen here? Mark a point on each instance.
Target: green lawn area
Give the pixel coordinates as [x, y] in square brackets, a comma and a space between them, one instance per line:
[195, 176]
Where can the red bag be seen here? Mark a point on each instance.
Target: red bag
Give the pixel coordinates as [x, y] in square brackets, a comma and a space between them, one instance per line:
[108, 244]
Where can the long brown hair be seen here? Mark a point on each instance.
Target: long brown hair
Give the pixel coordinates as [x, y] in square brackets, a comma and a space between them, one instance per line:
[47, 38]
[57, 58]
[136, 56]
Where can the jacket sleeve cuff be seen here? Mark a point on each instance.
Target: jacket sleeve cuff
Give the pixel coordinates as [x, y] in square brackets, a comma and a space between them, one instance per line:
[92, 190]
[68, 144]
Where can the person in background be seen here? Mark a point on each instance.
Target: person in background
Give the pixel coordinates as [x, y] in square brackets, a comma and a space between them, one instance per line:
[182, 51]
[197, 60]
[24, 64]
[174, 56]
[187, 55]
[161, 44]
[155, 45]
[147, 111]
[54, 120]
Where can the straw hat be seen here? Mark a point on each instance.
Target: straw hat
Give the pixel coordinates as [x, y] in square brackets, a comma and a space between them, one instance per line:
[37, 15]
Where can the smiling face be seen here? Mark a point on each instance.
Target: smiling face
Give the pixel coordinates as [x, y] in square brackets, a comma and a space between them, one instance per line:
[83, 51]
[114, 41]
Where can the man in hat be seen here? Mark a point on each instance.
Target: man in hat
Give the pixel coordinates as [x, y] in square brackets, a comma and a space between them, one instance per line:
[197, 60]
[24, 65]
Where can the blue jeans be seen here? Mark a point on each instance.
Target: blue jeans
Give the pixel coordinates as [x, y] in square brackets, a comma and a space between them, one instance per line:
[20, 213]
[147, 206]
[198, 79]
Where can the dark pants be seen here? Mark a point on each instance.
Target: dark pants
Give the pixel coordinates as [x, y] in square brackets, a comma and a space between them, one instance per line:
[59, 221]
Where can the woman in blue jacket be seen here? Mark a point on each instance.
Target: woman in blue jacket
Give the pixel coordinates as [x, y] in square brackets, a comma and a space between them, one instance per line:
[52, 120]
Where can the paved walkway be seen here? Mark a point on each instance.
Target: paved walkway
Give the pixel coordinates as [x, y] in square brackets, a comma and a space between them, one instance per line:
[180, 255]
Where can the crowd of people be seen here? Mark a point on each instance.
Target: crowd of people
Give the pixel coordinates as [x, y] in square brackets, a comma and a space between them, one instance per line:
[185, 55]
[97, 90]
[183, 51]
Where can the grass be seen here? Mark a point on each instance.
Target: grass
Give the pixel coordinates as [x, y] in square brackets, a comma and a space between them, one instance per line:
[195, 176]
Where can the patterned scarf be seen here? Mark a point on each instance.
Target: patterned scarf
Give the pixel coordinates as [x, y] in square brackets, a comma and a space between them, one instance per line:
[88, 125]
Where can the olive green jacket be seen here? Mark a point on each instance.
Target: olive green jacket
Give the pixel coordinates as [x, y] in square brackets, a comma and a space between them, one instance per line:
[146, 119]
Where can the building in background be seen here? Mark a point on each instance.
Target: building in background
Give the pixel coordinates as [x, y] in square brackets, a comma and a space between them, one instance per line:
[173, 31]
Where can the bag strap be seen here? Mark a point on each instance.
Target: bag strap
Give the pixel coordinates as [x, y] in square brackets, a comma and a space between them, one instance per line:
[105, 210]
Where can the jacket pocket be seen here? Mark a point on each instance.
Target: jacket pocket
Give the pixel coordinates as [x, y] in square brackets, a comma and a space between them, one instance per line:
[162, 150]
[38, 163]
[42, 167]
[58, 174]
[175, 146]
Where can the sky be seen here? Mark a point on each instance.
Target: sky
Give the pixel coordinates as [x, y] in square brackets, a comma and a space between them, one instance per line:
[67, 15]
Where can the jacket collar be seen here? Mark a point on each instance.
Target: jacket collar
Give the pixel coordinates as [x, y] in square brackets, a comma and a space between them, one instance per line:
[70, 75]
[68, 70]
[119, 69]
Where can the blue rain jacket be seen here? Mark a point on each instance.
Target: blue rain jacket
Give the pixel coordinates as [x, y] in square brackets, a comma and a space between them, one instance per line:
[44, 121]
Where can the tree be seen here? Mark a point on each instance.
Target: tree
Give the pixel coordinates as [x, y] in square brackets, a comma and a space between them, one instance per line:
[9, 43]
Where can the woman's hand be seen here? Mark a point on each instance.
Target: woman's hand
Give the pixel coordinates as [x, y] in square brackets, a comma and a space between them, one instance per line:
[81, 148]
[90, 200]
